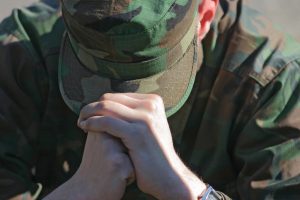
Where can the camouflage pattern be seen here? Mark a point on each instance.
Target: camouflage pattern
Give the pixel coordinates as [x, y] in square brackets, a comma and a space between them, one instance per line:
[79, 86]
[129, 46]
[130, 31]
[239, 129]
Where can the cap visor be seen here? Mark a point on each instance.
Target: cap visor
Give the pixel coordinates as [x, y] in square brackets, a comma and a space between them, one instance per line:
[79, 86]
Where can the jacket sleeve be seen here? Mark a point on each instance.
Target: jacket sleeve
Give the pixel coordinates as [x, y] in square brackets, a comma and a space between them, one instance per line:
[267, 152]
[21, 90]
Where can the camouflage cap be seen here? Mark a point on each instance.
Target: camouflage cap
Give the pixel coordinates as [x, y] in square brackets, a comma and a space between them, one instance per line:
[129, 46]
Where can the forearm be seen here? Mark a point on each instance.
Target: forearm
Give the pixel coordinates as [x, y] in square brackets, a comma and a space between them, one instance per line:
[67, 191]
[81, 189]
[179, 182]
[187, 186]
[101, 175]
[189, 189]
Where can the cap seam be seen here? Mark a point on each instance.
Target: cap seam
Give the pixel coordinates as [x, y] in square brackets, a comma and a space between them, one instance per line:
[138, 63]
[108, 76]
[139, 33]
[161, 55]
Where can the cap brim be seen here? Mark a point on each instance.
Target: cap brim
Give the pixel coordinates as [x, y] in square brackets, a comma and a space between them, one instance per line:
[79, 86]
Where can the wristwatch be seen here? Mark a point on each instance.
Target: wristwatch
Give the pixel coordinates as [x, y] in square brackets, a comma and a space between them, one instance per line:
[210, 194]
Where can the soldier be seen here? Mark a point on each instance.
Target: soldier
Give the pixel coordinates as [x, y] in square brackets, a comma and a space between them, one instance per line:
[158, 99]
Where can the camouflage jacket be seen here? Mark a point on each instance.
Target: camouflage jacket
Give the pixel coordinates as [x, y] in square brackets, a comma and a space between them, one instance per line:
[239, 130]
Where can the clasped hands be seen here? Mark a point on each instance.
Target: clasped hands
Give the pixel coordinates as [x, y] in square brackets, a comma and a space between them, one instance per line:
[129, 139]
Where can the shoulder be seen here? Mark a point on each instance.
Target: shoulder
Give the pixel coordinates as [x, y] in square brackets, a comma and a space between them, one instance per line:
[37, 29]
[28, 37]
[249, 45]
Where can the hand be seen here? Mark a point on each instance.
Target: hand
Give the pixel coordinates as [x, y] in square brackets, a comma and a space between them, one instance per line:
[105, 169]
[139, 120]
[104, 172]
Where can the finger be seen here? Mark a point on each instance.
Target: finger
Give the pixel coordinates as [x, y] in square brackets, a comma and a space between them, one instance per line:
[137, 95]
[102, 139]
[146, 99]
[108, 108]
[114, 142]
[121, 98]
[113, 126]
[140, 103]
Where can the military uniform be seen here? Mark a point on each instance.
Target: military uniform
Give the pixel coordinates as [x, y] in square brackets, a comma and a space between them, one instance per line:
[239, 129]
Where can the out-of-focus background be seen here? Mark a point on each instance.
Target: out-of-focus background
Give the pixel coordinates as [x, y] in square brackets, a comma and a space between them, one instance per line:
[7, 5]
[283, 12]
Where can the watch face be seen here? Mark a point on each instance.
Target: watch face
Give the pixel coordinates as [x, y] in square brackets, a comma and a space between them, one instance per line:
[211, 194]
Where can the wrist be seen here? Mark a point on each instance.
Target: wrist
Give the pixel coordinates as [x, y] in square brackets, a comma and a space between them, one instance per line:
[84, 188]
[94, 188]
[80, 188]
[191, 188]
[195, 187]
[185, 185]
[71, 189]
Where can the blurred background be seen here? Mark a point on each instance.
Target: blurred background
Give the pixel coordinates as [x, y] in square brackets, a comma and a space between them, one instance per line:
[283, 12]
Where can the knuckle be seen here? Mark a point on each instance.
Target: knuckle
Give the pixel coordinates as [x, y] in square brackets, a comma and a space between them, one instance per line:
[106, 96]
[156, 98]
[150, 106]
[99, 106]
[102, 105]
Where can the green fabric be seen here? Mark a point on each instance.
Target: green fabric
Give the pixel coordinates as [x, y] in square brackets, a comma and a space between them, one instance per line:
[239, 129]
[134, 70]
[142, 56]
[130, 31]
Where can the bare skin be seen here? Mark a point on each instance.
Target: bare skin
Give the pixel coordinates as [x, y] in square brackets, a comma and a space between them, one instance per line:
[139, 120]
[104, 172]
[140, 123]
